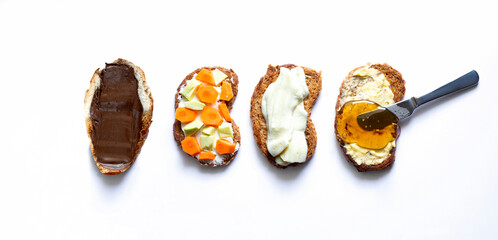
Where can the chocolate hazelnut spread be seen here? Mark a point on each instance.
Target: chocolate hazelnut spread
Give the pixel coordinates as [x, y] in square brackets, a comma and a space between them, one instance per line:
[116, 114]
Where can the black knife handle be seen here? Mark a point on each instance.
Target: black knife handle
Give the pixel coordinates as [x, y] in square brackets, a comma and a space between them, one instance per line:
[468, 80]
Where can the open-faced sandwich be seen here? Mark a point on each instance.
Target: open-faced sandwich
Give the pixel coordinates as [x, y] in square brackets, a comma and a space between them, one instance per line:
[365, 89]
[203, 126]
[280, 108]
[118, 113]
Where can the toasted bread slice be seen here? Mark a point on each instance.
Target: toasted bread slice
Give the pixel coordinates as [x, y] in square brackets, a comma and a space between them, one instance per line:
[146, 101]
[367, 159]
[314, 83]
[178, 132]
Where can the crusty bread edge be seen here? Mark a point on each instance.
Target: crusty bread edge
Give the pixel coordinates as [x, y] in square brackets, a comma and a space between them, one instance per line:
[259, 123]
[177, 125]
[397, 85]
[144, 92]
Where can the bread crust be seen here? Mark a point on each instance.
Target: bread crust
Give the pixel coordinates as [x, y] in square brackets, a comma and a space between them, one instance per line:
[177, 125]
[314, 83]
[146, 115]
[397, 86]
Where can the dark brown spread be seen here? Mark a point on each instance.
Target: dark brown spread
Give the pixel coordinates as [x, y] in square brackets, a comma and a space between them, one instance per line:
[116, 114]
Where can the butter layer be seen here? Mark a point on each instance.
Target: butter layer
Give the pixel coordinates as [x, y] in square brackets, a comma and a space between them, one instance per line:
[368, 83]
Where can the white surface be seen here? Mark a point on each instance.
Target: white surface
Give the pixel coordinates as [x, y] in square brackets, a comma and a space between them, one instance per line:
[443, 184]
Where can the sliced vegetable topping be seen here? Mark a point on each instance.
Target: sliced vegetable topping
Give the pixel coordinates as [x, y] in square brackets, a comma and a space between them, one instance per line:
[192, 127]
[207, 142]
[207, 94]
[189, 90]
[218, 76]
[224, 147]
[226, 91]
[205, 76]
[225, 131]
[211, 117]
[214, 115]
[208, 130]
[194, 105]
[191, 146]
[206, 155]
[185, 115]
[224, 111]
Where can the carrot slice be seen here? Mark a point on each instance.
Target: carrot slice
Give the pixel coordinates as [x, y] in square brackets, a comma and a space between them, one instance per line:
[226, 91]
[191, 146]
[205, 76]
[185, 115]
[211, 117]
[224, 111]
[207, 94]
[206, 155]
[224, 147]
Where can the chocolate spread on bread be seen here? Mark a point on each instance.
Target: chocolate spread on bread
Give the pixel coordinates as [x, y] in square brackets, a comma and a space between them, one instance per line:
[116, 114]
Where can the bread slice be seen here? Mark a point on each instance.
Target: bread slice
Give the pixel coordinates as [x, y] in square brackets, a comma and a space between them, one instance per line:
[146, 101]
[314, 83]
[178, 133]
[350, 88]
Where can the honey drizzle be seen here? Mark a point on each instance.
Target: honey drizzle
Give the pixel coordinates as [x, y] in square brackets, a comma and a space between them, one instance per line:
[351, 132]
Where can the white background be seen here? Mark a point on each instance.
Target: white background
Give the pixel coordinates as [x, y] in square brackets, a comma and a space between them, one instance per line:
[443, 184]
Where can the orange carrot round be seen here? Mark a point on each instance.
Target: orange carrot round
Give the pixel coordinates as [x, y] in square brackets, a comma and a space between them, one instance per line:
[211, 117]
[205, 76]
[224, 147]
[206, 155]
[226, 91]
[185, 115]
[191, 146]
[207, 94]
[224, 111]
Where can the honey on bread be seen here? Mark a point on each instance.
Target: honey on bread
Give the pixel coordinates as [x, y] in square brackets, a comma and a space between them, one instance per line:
[351, 132]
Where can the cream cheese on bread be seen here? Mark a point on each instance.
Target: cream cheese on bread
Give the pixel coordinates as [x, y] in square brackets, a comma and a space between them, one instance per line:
[313, 80]
[368, 83]
[283, 109]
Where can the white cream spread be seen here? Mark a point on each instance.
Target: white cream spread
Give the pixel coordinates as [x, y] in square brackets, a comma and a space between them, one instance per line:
[283, 108]
[370, 84]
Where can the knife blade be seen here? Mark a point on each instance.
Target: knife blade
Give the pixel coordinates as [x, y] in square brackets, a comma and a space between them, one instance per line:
[399, 111]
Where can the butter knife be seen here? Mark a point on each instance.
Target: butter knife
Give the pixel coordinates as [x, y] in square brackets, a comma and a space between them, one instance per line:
[399, 111]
